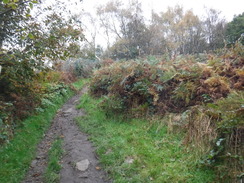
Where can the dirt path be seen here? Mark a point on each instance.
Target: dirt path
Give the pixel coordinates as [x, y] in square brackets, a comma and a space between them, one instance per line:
[79, 163]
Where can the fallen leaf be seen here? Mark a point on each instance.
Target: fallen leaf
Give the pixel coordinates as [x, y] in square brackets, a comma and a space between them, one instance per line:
[36, 175]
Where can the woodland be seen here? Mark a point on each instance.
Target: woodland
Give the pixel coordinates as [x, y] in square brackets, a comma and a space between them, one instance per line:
[173, 65]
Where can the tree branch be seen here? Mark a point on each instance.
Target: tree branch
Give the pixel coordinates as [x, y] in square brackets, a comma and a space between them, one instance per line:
[11, 9]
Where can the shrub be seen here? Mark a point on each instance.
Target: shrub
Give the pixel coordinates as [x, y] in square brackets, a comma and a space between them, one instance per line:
[226, 153]
[210, 93]
[164, 87]
[79, 67]
[23, 91]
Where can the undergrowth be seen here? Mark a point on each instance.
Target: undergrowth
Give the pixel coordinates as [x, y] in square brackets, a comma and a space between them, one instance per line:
[140, 150]
[210, 93]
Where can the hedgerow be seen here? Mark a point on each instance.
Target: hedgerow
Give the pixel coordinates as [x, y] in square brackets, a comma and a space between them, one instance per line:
[210, 92]
[23, 95]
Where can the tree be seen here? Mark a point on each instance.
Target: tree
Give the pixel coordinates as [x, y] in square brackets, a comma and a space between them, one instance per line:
[157, 42]
[172, 32]
[176, 31]
[91, 24]
[137, 33]
[55, 37]
[33, 44]
[112, 19]
[13, 16]
[181, 32]
[214, 27]
[134, 33]
[126, 25]
[61, 40]
[235, 29]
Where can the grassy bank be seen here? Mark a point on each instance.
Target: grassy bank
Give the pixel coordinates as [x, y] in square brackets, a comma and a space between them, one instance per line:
[138, 150]
[16, 156]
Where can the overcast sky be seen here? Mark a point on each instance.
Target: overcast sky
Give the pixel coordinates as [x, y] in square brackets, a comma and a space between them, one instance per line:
[229, 8]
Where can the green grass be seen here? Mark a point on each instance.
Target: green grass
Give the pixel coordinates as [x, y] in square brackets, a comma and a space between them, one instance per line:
[53, 168]
[157, 156]
[80, 83]
[16, 156]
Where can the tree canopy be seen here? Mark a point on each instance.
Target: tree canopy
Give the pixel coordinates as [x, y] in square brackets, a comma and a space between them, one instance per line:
[29, 46]
[235, 29]
[13, 16]
[174, 31]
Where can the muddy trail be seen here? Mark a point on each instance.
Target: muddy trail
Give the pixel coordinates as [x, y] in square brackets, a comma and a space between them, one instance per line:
[79, 162]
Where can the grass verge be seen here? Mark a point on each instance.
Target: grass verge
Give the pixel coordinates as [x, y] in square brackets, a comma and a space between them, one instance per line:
[16, 156]
[53, 168]
[139, 151]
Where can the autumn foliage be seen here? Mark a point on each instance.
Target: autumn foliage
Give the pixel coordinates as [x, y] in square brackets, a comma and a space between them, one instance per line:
[170, 86]
[210, 92]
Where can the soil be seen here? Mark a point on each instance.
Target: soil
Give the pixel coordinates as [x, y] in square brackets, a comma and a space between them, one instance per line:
[76, 146]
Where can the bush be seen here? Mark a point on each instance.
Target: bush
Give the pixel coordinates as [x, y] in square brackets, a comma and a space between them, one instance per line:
[225, 141]
[211, 94]
[164, 87]
[23, 91]
[79, 67]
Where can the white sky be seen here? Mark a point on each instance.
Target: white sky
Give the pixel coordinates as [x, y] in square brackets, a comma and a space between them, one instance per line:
[228, 8]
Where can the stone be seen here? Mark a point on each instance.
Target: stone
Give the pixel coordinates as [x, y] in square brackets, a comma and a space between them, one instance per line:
[69, 110]
[129, 160]
[33, 163]
[83, 165]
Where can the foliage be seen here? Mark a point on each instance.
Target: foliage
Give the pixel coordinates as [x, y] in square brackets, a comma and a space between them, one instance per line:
[17, 79]
[173, 32]
[62, 39]
[19, 91]
[28, 48]
[80, 67]
[228, 147]
[13, 15]
[234, 29]
[167, 86]
[211, 94]
[17, 155]
[12, 113]
[139, 150]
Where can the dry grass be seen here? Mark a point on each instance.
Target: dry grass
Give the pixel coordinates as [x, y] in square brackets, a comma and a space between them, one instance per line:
[201, 129]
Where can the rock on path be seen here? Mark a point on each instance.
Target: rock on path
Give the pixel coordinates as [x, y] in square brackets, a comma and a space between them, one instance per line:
[79, 163]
